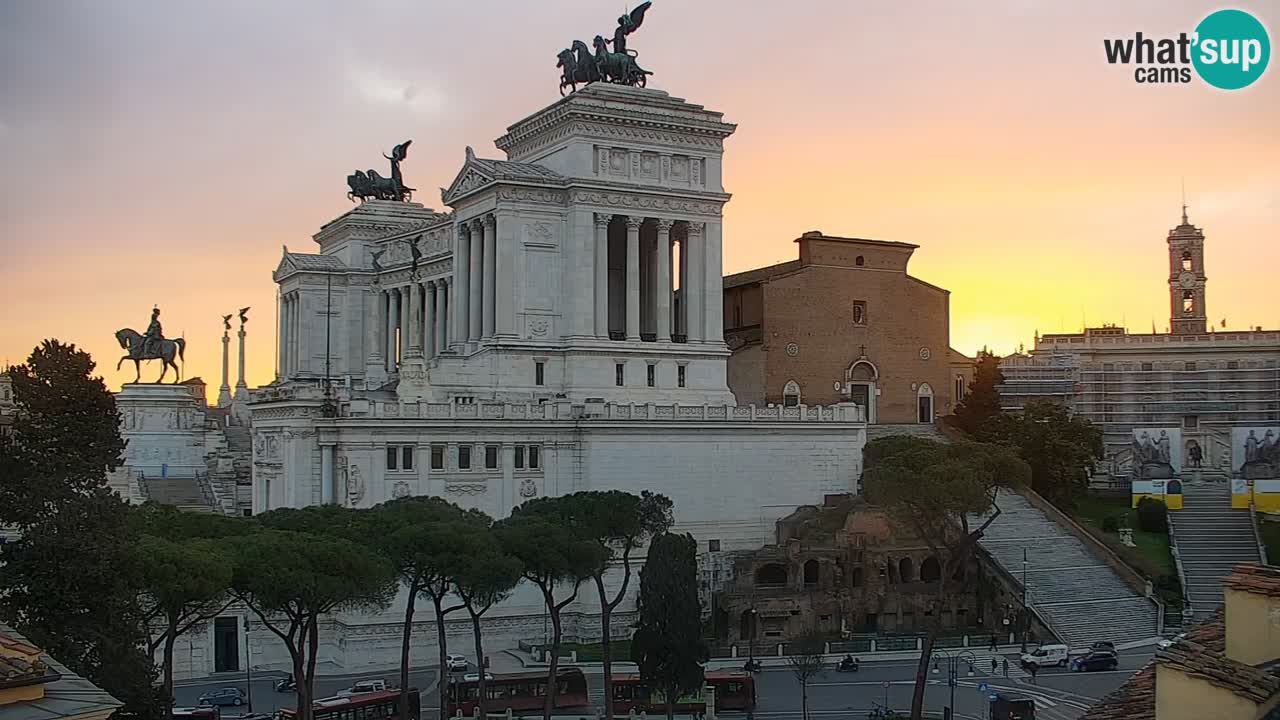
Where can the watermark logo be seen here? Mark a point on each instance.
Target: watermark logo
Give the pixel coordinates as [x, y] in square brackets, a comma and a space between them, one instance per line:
[1229, 50]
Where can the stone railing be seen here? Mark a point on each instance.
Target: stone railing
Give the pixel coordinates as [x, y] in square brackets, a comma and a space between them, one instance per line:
[1187, 610]
[603, 412]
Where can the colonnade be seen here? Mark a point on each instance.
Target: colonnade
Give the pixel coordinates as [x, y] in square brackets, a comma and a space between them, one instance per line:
[414, 320]
[293, 345]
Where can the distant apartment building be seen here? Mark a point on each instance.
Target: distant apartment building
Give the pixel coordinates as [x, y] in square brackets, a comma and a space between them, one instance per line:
[1206, 391]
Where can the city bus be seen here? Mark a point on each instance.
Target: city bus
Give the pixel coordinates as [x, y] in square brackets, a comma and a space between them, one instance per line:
[384, 705]
[520, 693]
[204, 712]
[735, 691]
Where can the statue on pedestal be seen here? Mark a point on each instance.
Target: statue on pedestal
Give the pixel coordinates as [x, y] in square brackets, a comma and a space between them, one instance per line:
[1262, 457]
[151, 345]
[370, 184]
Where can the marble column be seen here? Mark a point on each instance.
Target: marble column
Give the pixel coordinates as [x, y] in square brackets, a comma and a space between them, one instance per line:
[413, 328]
[713, 287]
[372, 322]
[682, 317]
[490, 270]
[633, 276]
[693, 311]
[505, 273]
[242, 388]
[461, 285]
[224, 390]
[293, 333]
[282, 332]
[390, 339]
[402, 322]
[327, 453]
[442, 314]
[602, 276]
[475, 293]
[662, 282]
[429, 320]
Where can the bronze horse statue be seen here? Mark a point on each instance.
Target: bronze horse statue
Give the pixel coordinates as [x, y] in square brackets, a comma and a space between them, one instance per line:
[577, 66]
[132, 341]
[369, 184]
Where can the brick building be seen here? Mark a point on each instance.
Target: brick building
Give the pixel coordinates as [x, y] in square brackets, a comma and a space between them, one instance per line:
[844, 323]
[846, 568]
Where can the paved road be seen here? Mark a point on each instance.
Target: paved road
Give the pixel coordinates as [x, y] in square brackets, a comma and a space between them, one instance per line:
[1059, 695]
[267, 700]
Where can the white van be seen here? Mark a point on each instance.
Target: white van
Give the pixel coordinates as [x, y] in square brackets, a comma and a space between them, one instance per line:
[1046, 655]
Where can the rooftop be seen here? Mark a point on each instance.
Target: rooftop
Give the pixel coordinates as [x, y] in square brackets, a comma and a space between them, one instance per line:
[819, 235]
[66, 695]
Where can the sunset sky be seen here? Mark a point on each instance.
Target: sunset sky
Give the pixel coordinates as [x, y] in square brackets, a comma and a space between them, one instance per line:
[161, 152]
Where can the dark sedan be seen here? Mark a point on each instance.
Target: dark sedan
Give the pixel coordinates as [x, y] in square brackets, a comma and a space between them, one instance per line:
[223, 696]
[1097, 660]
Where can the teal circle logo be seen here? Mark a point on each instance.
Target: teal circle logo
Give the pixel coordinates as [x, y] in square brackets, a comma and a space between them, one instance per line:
[1232, 49]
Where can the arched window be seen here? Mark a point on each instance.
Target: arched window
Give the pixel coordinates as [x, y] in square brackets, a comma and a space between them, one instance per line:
[924, 403]
[960, 387]
[1186, 259]
[791, 394]
[930, 570]
[906, 573]
[859, 261]
[1188, 302]
[811, 572]
[857, 577]
[771, 574]
[861, 377]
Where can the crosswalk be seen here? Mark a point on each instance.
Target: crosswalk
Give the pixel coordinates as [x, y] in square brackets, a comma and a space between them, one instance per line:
[982, 665]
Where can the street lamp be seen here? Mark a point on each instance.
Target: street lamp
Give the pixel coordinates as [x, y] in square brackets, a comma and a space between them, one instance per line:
[248, 668]
[1026, 615]
[953, 661]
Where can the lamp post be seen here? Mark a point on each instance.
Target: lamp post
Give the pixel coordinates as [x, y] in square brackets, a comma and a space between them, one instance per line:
[248, 668]
[751, 638]
[953, 661]
[1026, 614]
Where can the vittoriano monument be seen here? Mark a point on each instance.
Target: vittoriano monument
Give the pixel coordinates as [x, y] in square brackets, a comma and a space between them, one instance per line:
[151, 345]
[578, 65]
[369, 184]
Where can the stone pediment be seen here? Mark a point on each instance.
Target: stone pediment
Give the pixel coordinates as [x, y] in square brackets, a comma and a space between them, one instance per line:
[469, 179]
[477, 173]
[291, 263]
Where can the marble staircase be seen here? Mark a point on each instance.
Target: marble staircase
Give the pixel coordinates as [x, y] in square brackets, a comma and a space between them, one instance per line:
[183, 493]
[1076, 593]
[1211, 538]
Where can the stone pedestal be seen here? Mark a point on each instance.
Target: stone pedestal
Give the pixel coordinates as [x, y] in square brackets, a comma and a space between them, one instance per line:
[164, 428]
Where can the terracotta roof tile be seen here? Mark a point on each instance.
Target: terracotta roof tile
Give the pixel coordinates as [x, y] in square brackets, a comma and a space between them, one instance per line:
[1255, 579]
[1134, 700]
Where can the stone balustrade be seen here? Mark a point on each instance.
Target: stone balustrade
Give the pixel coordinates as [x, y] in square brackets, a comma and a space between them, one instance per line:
[603, 412]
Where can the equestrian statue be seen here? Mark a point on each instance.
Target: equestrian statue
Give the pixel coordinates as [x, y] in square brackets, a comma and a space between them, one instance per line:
[578, 65]
[369, 184]
[151, 345]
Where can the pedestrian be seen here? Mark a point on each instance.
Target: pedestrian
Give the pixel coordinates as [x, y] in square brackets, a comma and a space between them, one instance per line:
[993, 666]
[1005, 666]
[993, 642]
[1034, 669]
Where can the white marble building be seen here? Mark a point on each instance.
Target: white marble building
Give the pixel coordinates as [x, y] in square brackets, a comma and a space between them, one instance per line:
[561, 330]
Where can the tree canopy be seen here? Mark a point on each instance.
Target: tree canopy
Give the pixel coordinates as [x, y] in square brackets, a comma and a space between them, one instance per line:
[981, 402]
[1060, 449]
[668, 644]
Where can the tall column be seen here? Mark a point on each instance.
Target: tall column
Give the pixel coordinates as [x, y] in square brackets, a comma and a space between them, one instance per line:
[372, 323]
[490, 284]
[461, 284]
[682, 318]
[442, 314]
[293, 333]
[662, 282]
[282, 333]
[390, 339]
[402, 324]
[241, 386]
[602, 276]
[694, 314]
[633, 276]
[429, 320]
[414, 326]
[475, 299]
[300, 345]
[224, 390]
[713, 289]
[504, 286]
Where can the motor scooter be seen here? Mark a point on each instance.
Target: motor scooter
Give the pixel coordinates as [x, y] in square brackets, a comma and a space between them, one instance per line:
[848, 664]
[752, 666]
[286, 685]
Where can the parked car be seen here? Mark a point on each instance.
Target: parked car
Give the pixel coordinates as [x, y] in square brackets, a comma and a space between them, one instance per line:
[223, 696]
[475, 677]
[1046, 655]
[1096, 660]
[1170, 641]
[456, 662]
[364, 686]
[1103, 646]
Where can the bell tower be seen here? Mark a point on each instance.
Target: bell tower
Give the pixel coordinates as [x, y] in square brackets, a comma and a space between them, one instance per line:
[1187, 314]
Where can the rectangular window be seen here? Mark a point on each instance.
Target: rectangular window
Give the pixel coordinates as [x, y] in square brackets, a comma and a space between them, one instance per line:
[1190, 422]
[1146, 367]
[490, 457]
[1233, 365]
[392, 456]
[650, 374]
[1189, 366]
[859, 312]
[617, 374]
[538, 373]
[519, 457]
[680, 376]
[464, 457]
[406, 457]
[533, 457]
[437, 457]
[713, 546]
[1108, 367]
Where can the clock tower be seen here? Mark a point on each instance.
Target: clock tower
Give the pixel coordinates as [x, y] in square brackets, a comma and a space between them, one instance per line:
[1186, 279]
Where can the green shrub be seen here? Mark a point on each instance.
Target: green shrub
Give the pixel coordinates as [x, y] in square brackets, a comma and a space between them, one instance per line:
[1110, 524]
[1152, 515]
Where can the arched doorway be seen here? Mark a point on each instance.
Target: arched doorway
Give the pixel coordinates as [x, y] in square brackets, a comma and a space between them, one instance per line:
[811, 573]
[860, 380]
[771, 574]
[930, 570]
[924, 403]
[906, 573]
[747, 625]
[791, 394]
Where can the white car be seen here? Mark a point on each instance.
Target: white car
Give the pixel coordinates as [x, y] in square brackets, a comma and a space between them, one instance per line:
[364, 686]
[475, 677]
[1166, 642]
[1046, 655]
[456, 662]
